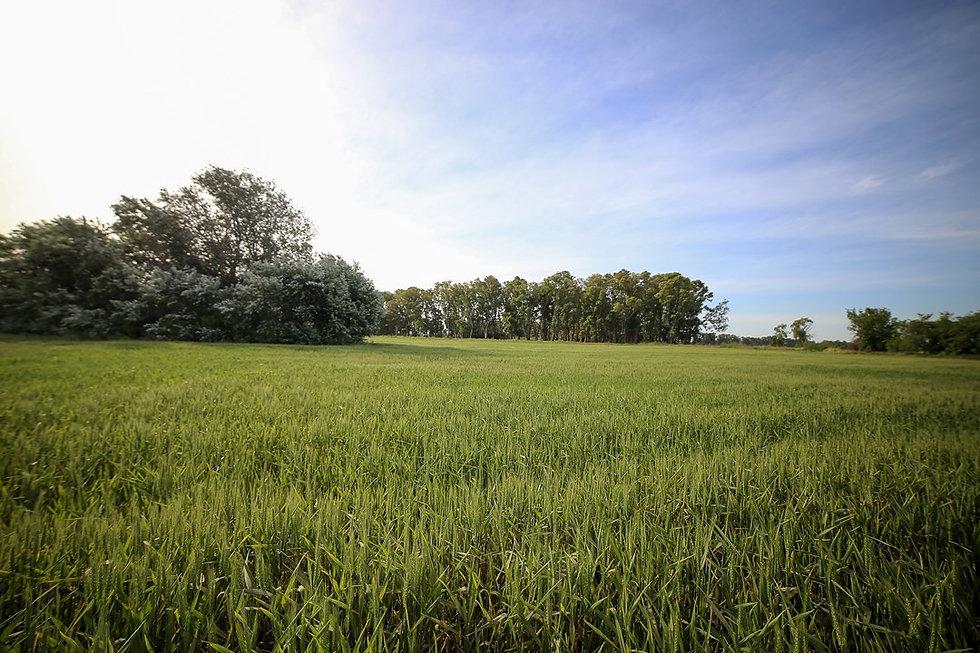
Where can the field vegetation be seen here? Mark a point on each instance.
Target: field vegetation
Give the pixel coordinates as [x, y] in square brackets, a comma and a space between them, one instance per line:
[430, 494]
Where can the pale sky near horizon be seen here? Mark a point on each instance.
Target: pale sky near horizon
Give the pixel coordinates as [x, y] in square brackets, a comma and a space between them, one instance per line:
[800, 158]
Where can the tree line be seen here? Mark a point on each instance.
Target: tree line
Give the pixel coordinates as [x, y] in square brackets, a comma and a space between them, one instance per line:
[876, 329]
[623, 307]
[227, 257]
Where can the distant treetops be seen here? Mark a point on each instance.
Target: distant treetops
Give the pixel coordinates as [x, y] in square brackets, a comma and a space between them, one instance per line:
[876, 329]
[227, 257]
[622, 306]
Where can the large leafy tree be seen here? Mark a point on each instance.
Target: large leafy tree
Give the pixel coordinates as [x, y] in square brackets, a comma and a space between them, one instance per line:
[874, 327]
[455, 301]
[543, 300]
[221, 224]
[65, 275]
[596, 308]
[624, 314]
[683, 299]
[517, 313]
[155, 236]
[565, 302]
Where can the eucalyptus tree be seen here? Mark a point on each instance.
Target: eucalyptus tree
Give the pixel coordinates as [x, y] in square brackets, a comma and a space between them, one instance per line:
[543, 300]
[596, 308]
[455, 301]
[517, 311]
[801, 330]
[683, 299]
[779, 335]
[487, 305]
[623, 306]
[565, 301]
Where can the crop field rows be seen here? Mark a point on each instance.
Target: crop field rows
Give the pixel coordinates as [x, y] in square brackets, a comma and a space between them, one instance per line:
[429, 494]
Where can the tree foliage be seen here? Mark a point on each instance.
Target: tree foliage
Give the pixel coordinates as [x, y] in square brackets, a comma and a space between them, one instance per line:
[303, 302]
[801, 330]
[622, 306]
[227, 257]
[873, 327]
[716, 318]
[176, 304]
[779, 335]
[944, 335]
[221, 224]
[876, 329]
[62, 276]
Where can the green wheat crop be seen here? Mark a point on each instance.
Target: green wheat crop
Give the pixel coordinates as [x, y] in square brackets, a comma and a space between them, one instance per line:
[422, 495]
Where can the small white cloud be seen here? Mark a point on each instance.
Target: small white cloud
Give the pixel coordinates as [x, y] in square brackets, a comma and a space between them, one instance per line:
[868, 184]
[940, 170]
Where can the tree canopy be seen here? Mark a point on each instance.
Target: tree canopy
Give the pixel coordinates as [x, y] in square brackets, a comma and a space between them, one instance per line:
[621, 306]
[779, 335]
[62, 276]
[227, 257]
[801, 330]
[873, 327]
[220, 225]
[946, 334]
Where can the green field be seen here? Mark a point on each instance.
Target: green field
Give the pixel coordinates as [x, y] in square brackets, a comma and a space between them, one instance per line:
[416, 495]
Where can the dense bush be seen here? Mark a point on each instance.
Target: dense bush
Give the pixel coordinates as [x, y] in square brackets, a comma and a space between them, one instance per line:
[226, 258]
[324, 301]
[876, 329]
[63, 276]
[944, 335]
[177, 304]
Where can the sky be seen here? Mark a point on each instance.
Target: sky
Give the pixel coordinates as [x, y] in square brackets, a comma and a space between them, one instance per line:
[799, 158]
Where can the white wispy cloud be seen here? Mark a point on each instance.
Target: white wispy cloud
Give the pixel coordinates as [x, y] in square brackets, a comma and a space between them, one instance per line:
[940, 170]
[869, 183]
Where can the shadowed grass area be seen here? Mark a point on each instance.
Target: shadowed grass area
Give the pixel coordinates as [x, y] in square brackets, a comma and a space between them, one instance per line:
[417, 495]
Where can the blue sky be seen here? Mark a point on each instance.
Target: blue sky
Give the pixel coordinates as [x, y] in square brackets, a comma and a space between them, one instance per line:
[800, 158]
